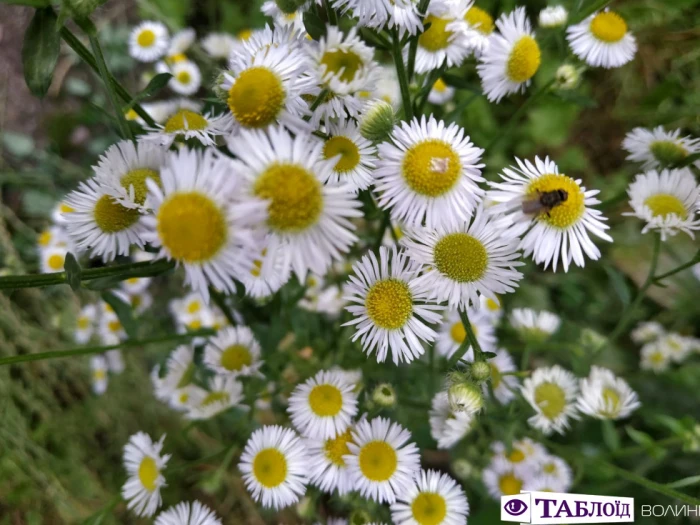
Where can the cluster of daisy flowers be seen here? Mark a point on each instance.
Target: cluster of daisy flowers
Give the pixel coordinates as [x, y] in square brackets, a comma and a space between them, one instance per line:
[661, 348]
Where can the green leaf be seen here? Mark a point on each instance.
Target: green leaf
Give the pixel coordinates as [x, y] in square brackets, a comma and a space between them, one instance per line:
[73, 271]
[314, 25]
[157, 83]
[42, 44]
[104, 283]
[461, 83]
[685, 482]
[123, 312]
[489, 355]
[645, 441]
[612, 440]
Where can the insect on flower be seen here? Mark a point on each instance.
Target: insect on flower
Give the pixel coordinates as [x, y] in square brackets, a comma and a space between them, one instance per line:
[545, 200]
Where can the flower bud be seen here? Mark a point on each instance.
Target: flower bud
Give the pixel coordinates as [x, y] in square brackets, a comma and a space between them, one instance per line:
[81, 8]
[480, 371]
[360, 517]
[219, 91]
[567, 77]
[305, 508]
[384, 395]
[377, 121]
[462, 468]
[592, 339]
[465, 397]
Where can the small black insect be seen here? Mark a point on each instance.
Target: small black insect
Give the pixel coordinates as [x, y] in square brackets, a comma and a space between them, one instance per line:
[545, 202]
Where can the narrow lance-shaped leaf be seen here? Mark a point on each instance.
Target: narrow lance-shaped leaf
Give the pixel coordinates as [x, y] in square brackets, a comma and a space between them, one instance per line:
[73, 271]
[40, 51]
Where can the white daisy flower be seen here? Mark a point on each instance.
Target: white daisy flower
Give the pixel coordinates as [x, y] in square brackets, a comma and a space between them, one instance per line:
[203, 219]
[560, 232]
[512, 57]
[144, 465]
[451, 334]
[523, 453]
[503, 478]
[544, 483]
[179, 369]
[218, 45]
[602, 40]
[187, 78]
[669, 201]
[435, 498]
[183, 399]
[186, 513]
[326, 464]
[440, 93]
[54, 236]
[387, 89]
[135, 285]
[389, 308]
[460, 263]
[329, 301]
[260, 40]
[274, 464]
[99, 369]
[223, 393]
[355, 157]
[491, 308]
[148, 41]
[447, 40]
[233, 352]
[380, 14]
[676, 346]
[657, 147]
[161, 110]
[181, 41]
[655, 356]
[85, 324]
[270, 272]
[61, 213]
[482, 26]
[186, 124]
[280, 18]
[446, 426]
[552, 474]
[553, 16]
[309, 218]
[552, 392]
[647, 332]
[323, 406]
[606, 396]
[505, 387]
[382, 464]
[429, 172]
[110, 329]
[533, 324]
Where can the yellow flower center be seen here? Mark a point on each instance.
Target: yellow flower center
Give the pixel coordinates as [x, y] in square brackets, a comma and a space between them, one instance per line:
[257, 97]
[184, 77]
[657, 357]
[99, 374]
[295, 196]
[191, 227]
[458, 332]
[377, 461]
[64, 208]
[216, 397]
[664, 204]
[325, 400]
[492, 305]
[549, 468]
[389, 303]
[524, 60]
[565, 214]
[550, 398]
[440, 85]
[341, 63]
[495, 376]
[244, 34]
[146, 38]
[608, 27]
[193, 307]
[346, 148]
[256, 270]
[235, 357]
[516, 456]
[668, 152]
[431, 167]
[461, 257]
[336, 448]
[480, 20]
[83, 322]
[112, 217]
[195, 324]
[137, 179]
[131, 115]
[429, 508]
[436, 37]
[148, 473]
[270, 467]
[611, 401]
[185, 120]
[509, 484]
[56, 262]
[184, 396]
[45, 238]
[174, 59]
[114, 325]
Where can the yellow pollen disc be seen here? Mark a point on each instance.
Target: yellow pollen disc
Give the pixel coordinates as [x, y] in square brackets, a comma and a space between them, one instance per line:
[99, 375]
[148, 473]
[131, 115]
[611, 400]
[516, 456]
[608, 27]
[337, 447]
[186, 120]
[461, 257]
[551, 399]
[524, 59]
[325, 400]
[431, 167]
[196, 324]
[193, 307]
[56, 262]
[184, 77]
[215, 397]
[295, 196]
[64, 208]
[389, 303]
[440, 85]
[480, 20]
[184, 396]
[244, 34]
[377, 461]
[657, 357]
[667, 151]
[235, 357]
[549, 468]
[429, 508]
[458, 332]
[137, 179]
[346, 148]
[114, 325]
[341, 63]
[45, 238]
[112, 217]
[191, 226]
[146, 38]
[174, 59]
[663, 205]
[509, 484]
[83, 323]
[436, 37]
[136, 301]
[565, 214]
[270, 467]
[495, 376]
[257, 97]
[492, 305]
[257, 268]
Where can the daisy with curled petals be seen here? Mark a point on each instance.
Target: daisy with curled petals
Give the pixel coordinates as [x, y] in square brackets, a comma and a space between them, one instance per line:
[503, 478]
[668, 201]
[452, 333]
[606, 396]
[447, 40]
[435, 499]
[491, 308]
[101, 224]
[552, 392]
[323, 406]
[149, 41]
[446, 426]
[655, 356]
[481, 23]
[512, 58]
[460, 263]
[534, 325]
[53, 259]
[658, 147]
[144, 465]
[382, 463]
[505, 387]
[271, 271]
[187, 124]
[203, 220]
[233, 352]
[602, 39]
[559, 233]
[179, 369]
[223, 393]
[310, 219]
[274, 464]
[380, 14]
[553, 471]
[440, 93]
[326, 464]
[354, 155]
[522, 452]
[553, 16]
[186, 513]
[429, 172]
[389, 309]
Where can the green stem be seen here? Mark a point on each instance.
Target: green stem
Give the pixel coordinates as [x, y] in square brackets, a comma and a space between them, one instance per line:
[525, 358]
[386, 223]
[320, 98]
[330, 12]
[123, 271]
[601, 4]
[401, 73]
[680, 268]
[220, 301]
[469, 340]
[56, 354]
[662, 443]
[413, 46]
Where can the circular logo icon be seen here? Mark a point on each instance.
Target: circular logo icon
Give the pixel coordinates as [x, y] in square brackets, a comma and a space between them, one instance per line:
[515, 507]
